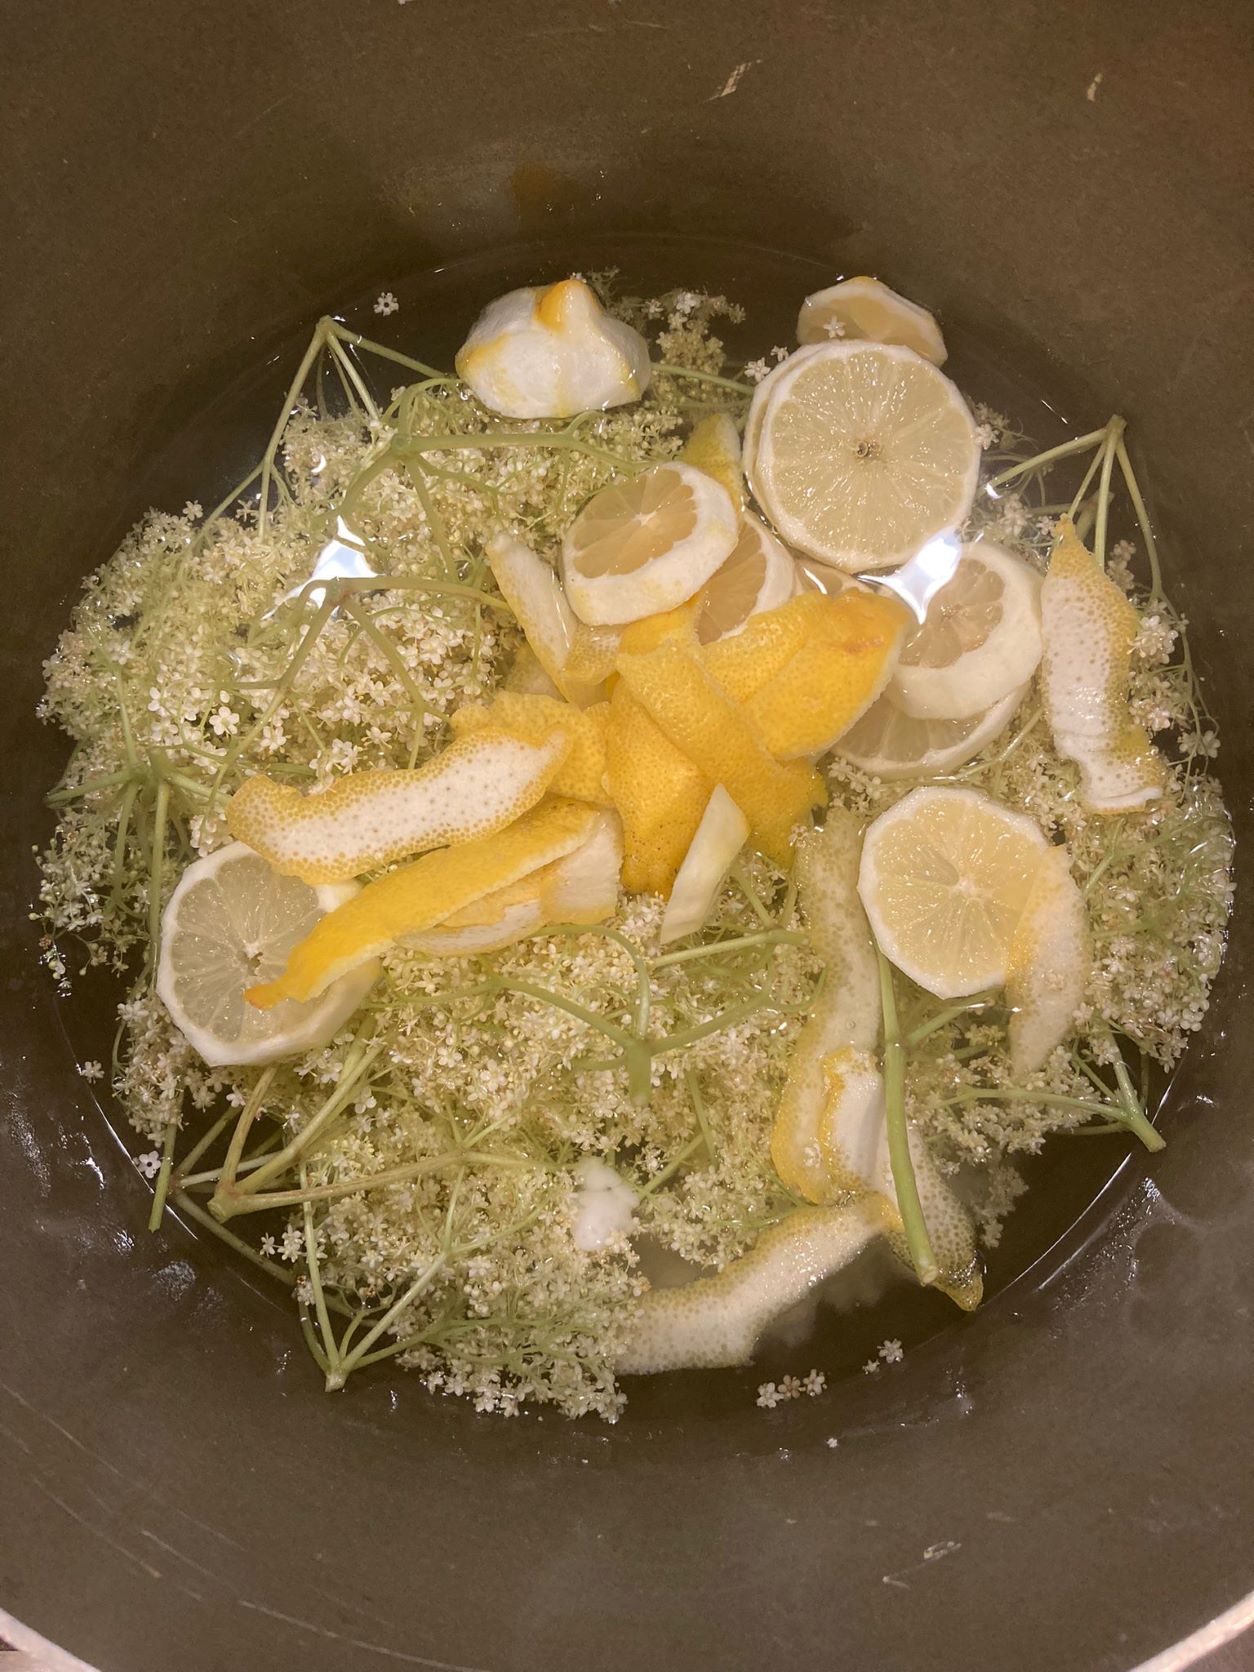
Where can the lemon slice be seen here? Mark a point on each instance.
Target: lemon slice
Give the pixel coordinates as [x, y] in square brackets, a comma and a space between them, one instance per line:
[420, 895]
[864, 309]
[980, 640]
[532, 590]
[716, 1321]
[888, 743]
[759, 575]
[647, 543]
[861, 453]
[722, 833]
[1088, 627]
[714, 446]
[552, 351]
[367, 819]
[944, 879]
[1050, 964]
[233, 919]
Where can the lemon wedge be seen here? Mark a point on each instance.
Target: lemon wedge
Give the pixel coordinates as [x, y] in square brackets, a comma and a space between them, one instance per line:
[759, 575]
[980, 639]
[231, 919]
[717, 1321]
[714, 446]
[704, 724]
[944, 879]
[719, 837]
[866, 310]
[534, 720]
[532, 590]
[1088, 627]
[552, 351]
[422, 894]
[582, 887]
[647, 543]
[660, 795]
[1050, 965]
[367, 819]
[888, 743]
[861, 453]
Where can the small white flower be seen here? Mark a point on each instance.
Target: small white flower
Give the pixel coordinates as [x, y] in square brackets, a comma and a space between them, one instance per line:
[870, 1367]
[756, 370]
[832, 1442]
[834, 328]
[987, 435]
[91, 1070]
[193, 510]
[891, 1352]
[684, 303]
[779, 355]
[224, 721]
[149, 1164]
[814, 1383]
[268, 1246]
[304, 1291]
[768, 1396]
[386, 303]
[790, 1388]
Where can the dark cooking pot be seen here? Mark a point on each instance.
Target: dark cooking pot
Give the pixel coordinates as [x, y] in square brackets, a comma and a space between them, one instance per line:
[1061, 1481]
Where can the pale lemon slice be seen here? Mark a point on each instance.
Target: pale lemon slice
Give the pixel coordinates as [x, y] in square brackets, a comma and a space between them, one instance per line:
[714, 446]
[861, 453]
[551, 351]
[1050, 964]
[722, 833]
[945, 877]
[1088, 627]
[233, 920]
[888, 743]
[647, 543]
[759, 575]
[981, 638]
[866, 310]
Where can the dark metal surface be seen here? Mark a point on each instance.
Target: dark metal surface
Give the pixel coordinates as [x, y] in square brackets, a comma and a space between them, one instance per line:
[1060, 1482]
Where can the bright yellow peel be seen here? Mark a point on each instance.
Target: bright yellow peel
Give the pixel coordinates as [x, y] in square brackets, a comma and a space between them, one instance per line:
[532, 719]
[660, 795]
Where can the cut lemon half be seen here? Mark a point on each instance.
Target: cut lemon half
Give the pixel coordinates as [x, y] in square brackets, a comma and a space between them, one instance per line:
[232, 921]
[889, 743]
[944, 879]
[722, 833]
[646, 544]
[860, 453]
[759, 575]
[714, 446]
[980, 640]
[866, 310]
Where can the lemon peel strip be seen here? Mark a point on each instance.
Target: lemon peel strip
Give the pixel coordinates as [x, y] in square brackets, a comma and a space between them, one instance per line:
[660, 795]
[533, 591]
[1050, 964]
[534, 719]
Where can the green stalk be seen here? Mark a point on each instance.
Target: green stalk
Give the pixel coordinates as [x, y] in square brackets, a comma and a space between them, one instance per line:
[1142, 517]
[155, 874]
[1064, 450]
[162, 1186]
[738, 386]
[193, 1210]
[1115, 431]
[905, 1184]
[349, 1363]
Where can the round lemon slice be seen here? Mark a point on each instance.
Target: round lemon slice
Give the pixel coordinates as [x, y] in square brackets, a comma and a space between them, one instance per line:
[646, 544]
[861, 453]
[981, 639]
[944, 880]
[866, 310]
[889, 743]
[759, 575]
[232, 921]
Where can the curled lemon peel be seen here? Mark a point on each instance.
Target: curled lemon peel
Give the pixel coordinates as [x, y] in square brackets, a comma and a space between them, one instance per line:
[424, 893]
[1088, 627]
[660, 795]
[704, 724]
[478, 785]
[714, 446]
[533, 591]
[745, 662]
[1050, 964]
[533, 719]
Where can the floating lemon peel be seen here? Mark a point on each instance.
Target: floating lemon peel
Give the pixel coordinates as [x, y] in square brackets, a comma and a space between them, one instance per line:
[569, 653]
[1088, 630]
[718, 839]
[533, 719]
[1050, 965]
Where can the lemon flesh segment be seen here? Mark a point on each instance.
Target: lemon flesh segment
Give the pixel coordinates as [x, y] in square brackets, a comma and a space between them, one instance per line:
[580, 888]
[944, 879]
[532, 590]
[719, 837]
[422, 894]
[368, 819]
[233, 918]
[981, 638]
[552, 351]
[866, 310]
[861, 453]
[839, 671]
[1088, 627]
[717, 1321]
[714, 446]
[660, 795]
[704, 724]
[1050, 965]
[760, 574]
[580, 776]
[646, 544]
[888, 743]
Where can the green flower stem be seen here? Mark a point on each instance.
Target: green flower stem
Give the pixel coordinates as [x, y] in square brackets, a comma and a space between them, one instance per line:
[555, 440]
[738, 386]
[1134, 1114]
[1114, 433]
[672, 1167]
[354, 339]
[1142, 517]
[243, 1126]
[193, 1210]
[925, 1030]
[162, 1186]
[713, 949]
[337, 1378]
[276, 435]
[905, 1184]
[156, 874]
[344, 360]
[180, 1178]
[644, 994]
[1064, 450]
[314, 1268]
